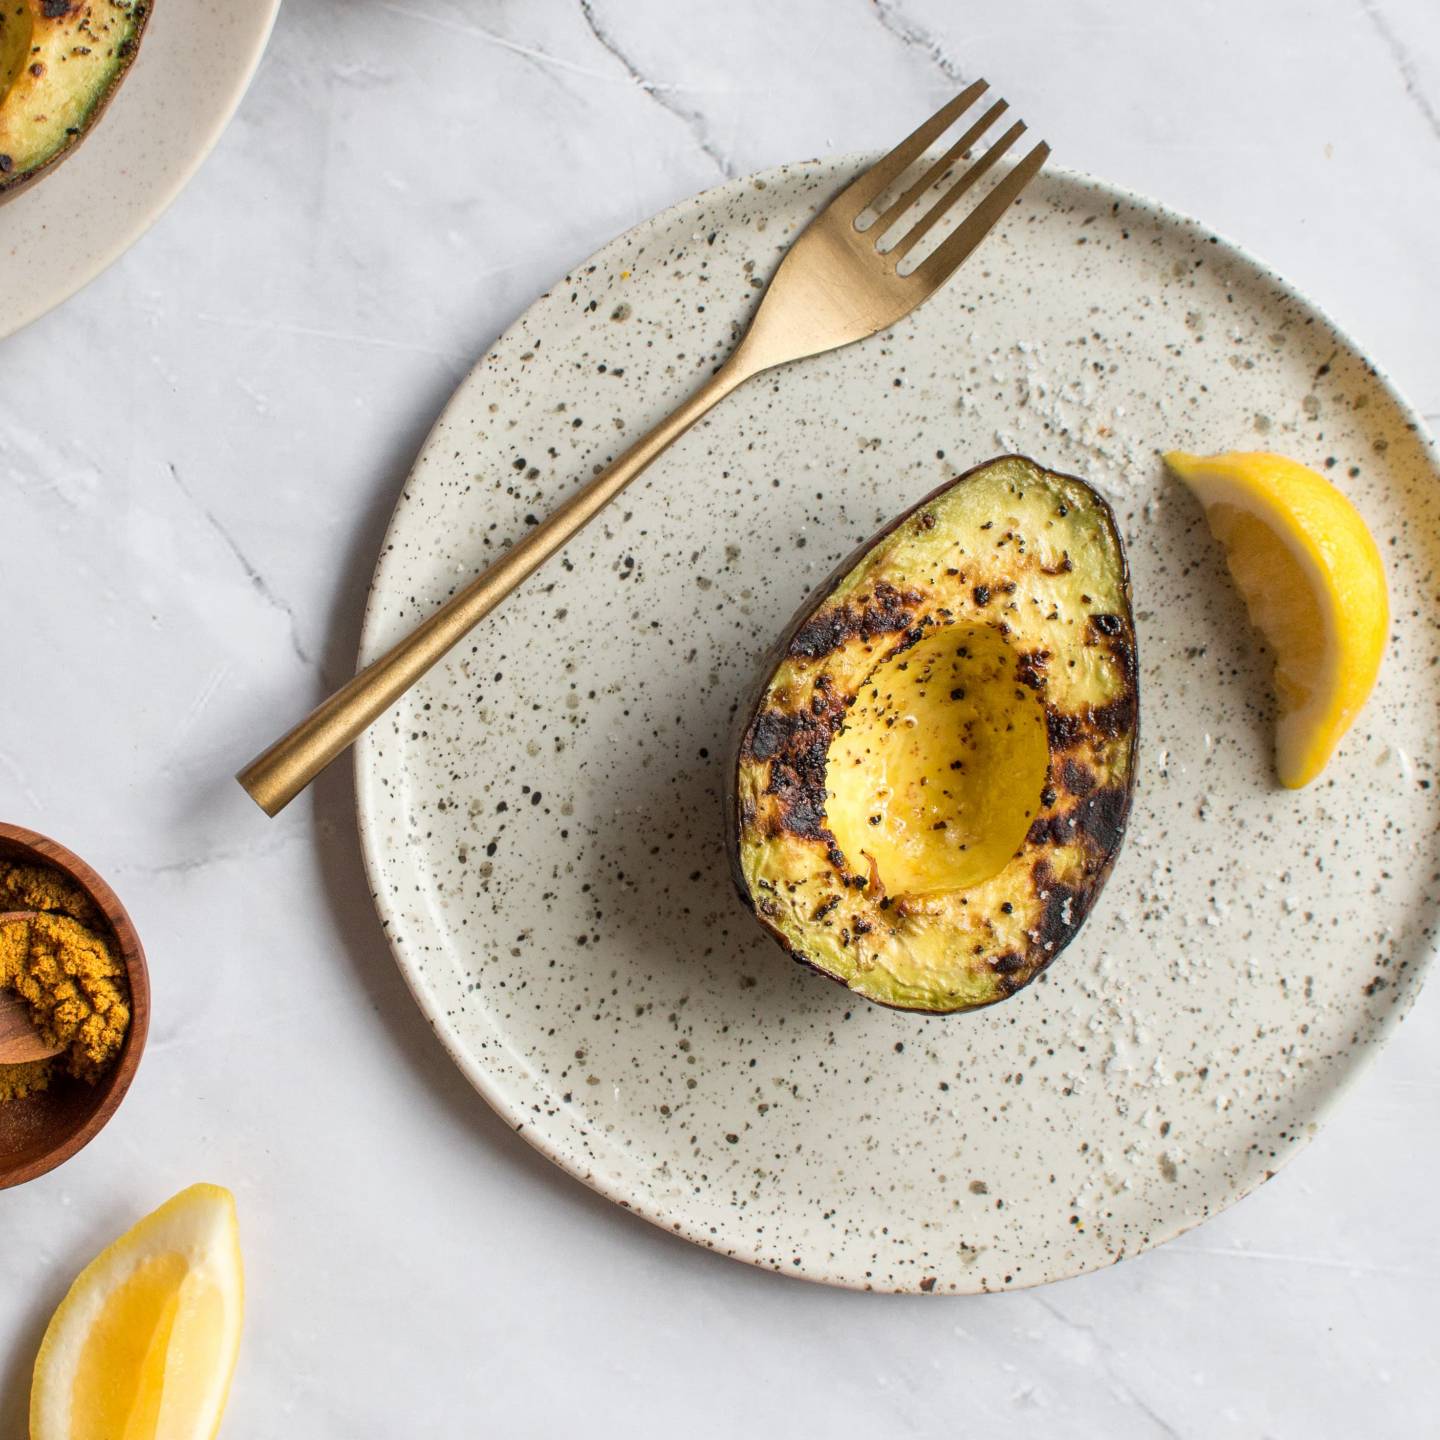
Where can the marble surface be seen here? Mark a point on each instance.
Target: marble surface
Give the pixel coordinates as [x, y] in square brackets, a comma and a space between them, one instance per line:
[197, 457]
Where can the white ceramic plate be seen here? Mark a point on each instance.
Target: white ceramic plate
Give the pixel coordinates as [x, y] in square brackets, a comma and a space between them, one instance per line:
[542, 817]
[195, 60]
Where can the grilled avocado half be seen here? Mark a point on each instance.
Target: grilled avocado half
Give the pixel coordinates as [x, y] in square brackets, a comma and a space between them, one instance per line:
[60, 62]
[931, 787]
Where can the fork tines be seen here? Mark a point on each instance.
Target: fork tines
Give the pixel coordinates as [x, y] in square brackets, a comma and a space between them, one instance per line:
[868, 189]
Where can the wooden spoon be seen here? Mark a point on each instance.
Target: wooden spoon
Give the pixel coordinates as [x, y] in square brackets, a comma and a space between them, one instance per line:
[20, 1041]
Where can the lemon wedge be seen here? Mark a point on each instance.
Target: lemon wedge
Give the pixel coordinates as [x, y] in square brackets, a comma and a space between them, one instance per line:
[1311, 577]
[143, 1346]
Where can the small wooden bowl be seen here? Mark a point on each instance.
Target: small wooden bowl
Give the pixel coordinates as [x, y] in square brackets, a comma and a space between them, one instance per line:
[43, 1130]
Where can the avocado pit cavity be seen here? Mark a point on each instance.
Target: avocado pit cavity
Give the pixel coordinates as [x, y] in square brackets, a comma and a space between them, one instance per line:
[936, 773]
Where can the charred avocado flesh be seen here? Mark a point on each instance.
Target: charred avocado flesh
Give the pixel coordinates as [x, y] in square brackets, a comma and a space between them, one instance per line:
[931, 789]
[60, 62]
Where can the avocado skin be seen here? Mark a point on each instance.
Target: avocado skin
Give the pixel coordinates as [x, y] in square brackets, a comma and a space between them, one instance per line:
[746, 715]
[139, 11]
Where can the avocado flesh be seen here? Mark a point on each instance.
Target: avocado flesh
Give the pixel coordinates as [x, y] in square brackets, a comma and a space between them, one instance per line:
[59, 65]
[934, 782]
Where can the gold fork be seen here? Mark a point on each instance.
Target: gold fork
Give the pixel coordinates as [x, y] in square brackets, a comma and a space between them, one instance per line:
[834, 286]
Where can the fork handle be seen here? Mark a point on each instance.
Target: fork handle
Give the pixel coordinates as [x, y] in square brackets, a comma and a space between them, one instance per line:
[277, 775]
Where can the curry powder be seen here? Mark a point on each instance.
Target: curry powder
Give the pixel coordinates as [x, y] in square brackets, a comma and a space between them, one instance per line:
[61, 964]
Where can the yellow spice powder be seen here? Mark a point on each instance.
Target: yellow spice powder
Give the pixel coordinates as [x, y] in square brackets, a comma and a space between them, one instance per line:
[18, 1081]
[38, 887]
[67, 973]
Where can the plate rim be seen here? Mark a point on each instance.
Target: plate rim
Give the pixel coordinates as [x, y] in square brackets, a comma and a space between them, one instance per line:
[165, 194]
[365, 772]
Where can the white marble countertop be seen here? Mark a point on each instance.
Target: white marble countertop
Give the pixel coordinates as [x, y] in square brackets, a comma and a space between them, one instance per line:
[197, 458]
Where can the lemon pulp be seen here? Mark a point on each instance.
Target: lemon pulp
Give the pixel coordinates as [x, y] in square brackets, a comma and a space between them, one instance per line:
[144, 1344]
[1313, 582]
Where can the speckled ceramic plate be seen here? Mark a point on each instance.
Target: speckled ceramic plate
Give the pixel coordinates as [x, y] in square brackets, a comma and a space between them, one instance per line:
[195, 61]
[542, 817]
